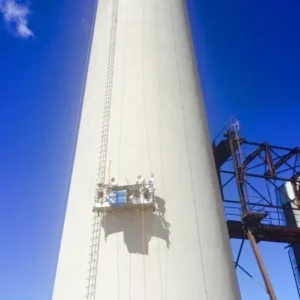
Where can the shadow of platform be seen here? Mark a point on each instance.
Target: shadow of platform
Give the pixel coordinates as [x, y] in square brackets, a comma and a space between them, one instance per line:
[160, 206]
[138, 227]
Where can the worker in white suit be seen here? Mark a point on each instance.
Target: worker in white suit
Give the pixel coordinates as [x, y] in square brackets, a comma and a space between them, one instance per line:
[151, 180]
[113, 182]
[141, 182]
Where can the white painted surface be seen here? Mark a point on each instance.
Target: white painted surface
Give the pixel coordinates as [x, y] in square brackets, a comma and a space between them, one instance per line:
[157, 125]
[286, 194]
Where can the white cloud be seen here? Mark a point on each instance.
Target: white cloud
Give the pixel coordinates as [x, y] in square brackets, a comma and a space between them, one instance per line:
[17, 15]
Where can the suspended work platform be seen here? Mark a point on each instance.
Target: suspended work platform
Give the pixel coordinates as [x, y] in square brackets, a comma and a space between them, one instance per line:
[112, 198]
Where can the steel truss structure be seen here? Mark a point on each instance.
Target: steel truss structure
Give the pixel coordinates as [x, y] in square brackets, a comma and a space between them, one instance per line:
[250, 176]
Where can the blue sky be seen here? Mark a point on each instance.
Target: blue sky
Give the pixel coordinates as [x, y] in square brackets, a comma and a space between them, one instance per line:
[248, 57]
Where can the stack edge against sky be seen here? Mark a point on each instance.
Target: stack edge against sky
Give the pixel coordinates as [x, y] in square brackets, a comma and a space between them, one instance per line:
[157, 124]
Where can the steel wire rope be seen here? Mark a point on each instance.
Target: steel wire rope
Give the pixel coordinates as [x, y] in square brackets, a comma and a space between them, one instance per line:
[161, 166]
[147, 146]
[144, 250]
[118, 269]
[120, 138]
[258, 282]
[129, 283]
[187, 147]
[108, 180]
[160, 141]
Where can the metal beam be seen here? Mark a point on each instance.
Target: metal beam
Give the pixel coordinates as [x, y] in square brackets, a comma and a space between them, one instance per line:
[252, 156]
[265, 233]
[282, 161]
[260, 176]
[261, 265]
[271, 146]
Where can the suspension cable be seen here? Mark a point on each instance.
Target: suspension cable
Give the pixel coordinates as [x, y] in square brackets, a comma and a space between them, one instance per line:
[147, 146]
[187, 148]
[160, 148]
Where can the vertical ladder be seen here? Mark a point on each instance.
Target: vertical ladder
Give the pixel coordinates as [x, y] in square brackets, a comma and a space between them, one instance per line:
[95, 239]
[235, 134]
[234, 126]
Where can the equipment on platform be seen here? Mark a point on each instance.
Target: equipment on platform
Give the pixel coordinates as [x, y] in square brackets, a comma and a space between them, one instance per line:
[115, 197]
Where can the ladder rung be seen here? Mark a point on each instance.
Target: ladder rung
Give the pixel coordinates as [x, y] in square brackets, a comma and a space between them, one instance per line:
[96, 234]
